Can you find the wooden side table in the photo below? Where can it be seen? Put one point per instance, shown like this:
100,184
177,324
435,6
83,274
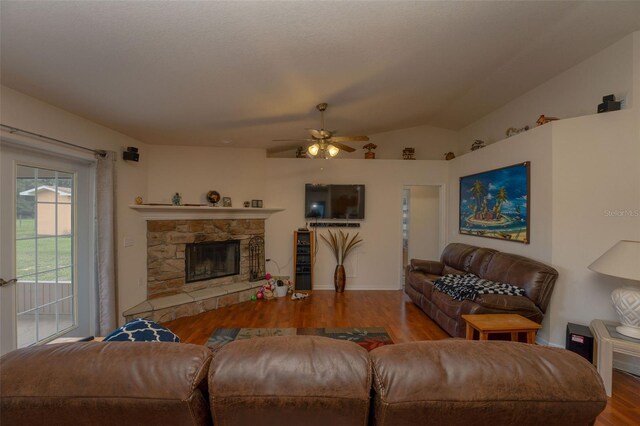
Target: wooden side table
608,341
501,323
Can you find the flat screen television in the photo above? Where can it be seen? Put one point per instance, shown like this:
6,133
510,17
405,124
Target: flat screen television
334,201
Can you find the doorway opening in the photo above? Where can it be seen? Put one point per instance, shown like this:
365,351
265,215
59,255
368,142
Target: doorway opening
421,223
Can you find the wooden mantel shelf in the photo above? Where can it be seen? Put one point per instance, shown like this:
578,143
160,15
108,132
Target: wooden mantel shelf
202,212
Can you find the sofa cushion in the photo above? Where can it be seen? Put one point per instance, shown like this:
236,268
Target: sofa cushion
536,278
457,382
290,380
458,256
142,330
450,270
98,383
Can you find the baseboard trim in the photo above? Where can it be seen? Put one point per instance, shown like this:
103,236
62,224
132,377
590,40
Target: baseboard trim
367,288
619,364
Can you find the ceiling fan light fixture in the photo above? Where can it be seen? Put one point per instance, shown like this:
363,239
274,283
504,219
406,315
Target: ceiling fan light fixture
333,151
313,149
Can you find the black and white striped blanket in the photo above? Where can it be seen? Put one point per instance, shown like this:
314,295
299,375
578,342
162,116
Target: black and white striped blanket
469,286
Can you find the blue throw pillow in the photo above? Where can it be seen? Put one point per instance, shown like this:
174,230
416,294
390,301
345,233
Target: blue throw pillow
141,330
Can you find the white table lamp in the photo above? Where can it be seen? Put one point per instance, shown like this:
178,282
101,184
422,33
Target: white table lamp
623,261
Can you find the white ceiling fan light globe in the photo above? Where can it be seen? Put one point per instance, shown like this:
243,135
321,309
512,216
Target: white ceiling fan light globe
333,151
313,149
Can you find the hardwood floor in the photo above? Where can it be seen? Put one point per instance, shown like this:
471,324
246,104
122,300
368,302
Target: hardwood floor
390,309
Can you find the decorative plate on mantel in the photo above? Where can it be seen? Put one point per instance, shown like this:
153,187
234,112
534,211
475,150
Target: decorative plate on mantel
213,197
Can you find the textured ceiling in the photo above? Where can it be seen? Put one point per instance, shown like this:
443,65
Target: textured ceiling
201,73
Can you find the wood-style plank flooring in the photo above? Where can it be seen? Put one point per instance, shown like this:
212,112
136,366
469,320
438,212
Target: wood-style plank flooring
404,321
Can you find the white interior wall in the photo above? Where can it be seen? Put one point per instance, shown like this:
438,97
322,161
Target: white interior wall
30,114
377,264
596,203
575,92
424,222
193,171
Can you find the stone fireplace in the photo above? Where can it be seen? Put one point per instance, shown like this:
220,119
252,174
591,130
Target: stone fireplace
230,272
188,255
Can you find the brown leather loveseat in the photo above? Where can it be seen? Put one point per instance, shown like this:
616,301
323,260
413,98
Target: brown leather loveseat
298,380
535,277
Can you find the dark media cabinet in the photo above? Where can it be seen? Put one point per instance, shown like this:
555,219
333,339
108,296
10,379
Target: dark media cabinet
303,250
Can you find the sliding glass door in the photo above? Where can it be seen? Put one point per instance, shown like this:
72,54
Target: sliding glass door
46,224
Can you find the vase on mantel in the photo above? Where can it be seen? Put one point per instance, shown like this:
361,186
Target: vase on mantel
339,278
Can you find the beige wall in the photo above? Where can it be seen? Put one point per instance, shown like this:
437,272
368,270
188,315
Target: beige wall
28,113
575,92
377,264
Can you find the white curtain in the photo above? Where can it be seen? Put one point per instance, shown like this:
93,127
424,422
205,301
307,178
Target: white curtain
106,317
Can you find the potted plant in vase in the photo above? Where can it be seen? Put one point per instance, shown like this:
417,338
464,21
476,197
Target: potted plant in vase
341,245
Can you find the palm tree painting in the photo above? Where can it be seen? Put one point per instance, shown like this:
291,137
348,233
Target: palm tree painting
495,203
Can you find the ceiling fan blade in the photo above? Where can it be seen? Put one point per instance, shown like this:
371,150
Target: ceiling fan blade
343,147
283,148
320,134
292,140
348,139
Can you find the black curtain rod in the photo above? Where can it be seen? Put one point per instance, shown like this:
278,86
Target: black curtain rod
12,129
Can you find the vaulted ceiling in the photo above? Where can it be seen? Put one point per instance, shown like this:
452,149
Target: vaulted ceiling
206,73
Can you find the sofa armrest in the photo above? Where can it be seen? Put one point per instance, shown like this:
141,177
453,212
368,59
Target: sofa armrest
427,266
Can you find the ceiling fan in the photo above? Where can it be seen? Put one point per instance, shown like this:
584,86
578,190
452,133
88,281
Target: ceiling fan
322,143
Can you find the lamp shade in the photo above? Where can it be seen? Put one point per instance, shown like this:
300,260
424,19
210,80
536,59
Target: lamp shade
313,149
622,260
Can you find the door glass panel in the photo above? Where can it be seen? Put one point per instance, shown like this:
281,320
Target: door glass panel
25,257
44,254
27,326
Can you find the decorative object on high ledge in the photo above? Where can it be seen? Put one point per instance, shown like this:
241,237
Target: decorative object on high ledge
409,153
256,204
513,131
369,155
138,200
176,200
247,203
544,120
213,197
623,261
341,245
477,144
226,202
449,156
609,103
323,143
495,204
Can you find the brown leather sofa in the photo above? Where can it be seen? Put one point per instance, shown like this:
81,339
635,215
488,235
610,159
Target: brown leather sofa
298,380
536,278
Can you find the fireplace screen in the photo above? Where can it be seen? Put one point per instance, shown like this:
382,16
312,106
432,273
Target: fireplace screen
215,259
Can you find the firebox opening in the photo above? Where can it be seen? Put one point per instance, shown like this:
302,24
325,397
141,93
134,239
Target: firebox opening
215,259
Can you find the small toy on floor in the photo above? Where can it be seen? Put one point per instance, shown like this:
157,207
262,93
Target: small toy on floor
299,296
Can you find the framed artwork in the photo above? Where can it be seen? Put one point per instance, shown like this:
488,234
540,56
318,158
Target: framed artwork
496,203
226,202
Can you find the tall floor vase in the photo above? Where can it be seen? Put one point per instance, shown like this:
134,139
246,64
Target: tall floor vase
339,278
